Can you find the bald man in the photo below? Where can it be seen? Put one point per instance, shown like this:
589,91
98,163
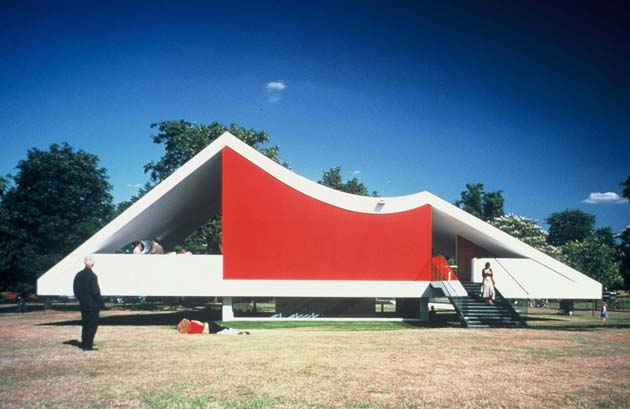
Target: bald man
87,291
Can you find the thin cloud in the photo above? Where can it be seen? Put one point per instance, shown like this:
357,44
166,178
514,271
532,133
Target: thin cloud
134,185
356,172
607,197
276,86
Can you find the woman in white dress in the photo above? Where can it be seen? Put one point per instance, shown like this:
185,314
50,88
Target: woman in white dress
487,286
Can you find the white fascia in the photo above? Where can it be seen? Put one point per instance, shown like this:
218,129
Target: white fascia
459,221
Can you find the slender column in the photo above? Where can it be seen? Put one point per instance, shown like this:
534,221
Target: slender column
227,313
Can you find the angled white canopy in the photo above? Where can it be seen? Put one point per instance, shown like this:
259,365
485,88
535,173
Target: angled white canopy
192,194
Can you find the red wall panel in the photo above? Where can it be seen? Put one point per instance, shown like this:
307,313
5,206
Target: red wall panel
272,231
466,251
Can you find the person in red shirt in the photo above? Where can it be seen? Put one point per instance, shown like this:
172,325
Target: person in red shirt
187,326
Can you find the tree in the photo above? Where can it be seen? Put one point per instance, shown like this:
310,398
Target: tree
605,235
626,188
332,178
182,140
569,225
493,205
59,198
623,250
595,258
527,231
4,185
485,206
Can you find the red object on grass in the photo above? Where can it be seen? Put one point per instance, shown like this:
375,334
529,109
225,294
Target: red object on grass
196,327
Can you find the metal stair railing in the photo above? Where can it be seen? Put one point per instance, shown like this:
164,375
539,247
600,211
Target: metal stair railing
473,313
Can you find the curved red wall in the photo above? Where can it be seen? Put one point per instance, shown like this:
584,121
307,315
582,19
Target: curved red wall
272,231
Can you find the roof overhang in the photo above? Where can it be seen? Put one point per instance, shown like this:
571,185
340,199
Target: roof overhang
192,194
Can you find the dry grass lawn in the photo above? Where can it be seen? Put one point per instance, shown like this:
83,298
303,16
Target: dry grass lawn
552,366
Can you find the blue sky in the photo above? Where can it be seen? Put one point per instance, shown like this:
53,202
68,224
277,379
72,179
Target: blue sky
532,98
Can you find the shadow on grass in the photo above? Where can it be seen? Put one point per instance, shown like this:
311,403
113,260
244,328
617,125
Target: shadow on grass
155,319
576,323
578,327
171,319
74,343
32,307
534,319
12,308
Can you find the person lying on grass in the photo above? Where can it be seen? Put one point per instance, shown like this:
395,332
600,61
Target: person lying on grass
187,326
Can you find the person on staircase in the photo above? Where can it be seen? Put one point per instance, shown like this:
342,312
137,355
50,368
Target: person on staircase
487,286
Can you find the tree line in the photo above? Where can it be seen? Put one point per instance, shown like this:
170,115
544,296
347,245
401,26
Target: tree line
60,197
571,238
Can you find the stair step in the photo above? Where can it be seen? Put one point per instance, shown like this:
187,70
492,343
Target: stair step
475,313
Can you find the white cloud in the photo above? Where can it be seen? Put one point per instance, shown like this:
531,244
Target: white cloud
607,197
356,172
134,185
276,86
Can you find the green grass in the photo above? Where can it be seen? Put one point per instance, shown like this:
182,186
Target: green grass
581,321
578,321
326,325
183,397
170,400
558,362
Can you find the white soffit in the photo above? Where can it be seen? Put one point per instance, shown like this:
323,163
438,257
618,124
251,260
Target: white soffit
192,194
527,278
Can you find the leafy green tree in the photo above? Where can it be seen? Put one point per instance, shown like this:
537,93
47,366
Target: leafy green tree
493,205
182,140
332,178
59,198
605,235
623,250
527,231
626,188
4,185
595,258
484,205
472,199
569,225
623,247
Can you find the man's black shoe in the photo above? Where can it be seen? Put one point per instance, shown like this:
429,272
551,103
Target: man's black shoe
90,349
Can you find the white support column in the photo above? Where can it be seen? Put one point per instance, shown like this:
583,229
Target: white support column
424,309
227,313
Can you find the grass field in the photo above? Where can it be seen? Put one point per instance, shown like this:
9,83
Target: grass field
559,362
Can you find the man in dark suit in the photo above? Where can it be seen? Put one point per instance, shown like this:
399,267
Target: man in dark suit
87,291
